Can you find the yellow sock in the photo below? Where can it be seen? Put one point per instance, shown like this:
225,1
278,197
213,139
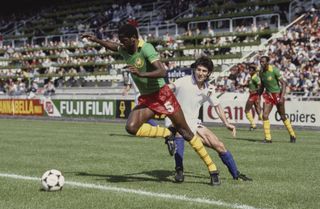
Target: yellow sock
260,116
266,127
289,127
250,119
152,131
197,145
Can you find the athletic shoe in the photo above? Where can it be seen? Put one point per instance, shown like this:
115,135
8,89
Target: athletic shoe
169,141
267,141
170,144
253,128
214,178
179,176
293,139
243,177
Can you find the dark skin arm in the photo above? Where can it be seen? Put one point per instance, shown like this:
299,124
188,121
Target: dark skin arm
261,88
160,71
113,46
283,84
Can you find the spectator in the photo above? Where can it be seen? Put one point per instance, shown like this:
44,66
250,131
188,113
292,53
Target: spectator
32,90
49,89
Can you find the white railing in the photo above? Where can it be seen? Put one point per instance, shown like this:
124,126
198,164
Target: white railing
211,22
261,47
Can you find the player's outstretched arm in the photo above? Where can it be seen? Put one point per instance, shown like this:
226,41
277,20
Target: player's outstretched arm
113,46
223,117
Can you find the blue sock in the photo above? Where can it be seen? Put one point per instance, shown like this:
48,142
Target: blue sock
228,160
152,122
178,156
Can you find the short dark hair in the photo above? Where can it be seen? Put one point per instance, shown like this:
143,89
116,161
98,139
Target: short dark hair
128,31
204,61
252,67
266,57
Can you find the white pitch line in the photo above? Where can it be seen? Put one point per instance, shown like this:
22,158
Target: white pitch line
138,192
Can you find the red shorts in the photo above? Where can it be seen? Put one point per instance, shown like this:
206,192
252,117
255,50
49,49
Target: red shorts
162,102
254,97
271,98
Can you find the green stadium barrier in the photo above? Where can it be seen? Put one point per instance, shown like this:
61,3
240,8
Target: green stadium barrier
71,108
80,108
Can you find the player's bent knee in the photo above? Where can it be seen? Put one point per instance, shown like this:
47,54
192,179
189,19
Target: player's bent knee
283,117
131,129
265,116
220,147
186,134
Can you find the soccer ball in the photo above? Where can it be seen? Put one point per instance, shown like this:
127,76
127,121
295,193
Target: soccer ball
52,180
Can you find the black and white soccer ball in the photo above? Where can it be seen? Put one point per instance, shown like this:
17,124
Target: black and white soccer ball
52,180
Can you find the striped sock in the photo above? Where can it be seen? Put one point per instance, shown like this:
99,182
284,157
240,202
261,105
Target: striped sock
152,131
197,145
266,127
250,119
289,127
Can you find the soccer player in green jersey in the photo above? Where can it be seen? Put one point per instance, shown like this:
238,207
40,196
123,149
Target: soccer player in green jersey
275,89
254,98
156,97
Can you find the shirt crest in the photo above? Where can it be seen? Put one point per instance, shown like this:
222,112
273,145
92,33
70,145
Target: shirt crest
139,62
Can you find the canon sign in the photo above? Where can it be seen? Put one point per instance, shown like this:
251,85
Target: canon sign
300,113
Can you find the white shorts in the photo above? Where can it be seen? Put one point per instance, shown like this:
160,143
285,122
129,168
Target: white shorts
193,124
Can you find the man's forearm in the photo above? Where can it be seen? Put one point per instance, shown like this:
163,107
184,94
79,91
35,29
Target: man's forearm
154,74
221,114
283,86
113,46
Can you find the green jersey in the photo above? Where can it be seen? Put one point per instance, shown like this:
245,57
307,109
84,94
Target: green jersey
142,59
270,79
254,83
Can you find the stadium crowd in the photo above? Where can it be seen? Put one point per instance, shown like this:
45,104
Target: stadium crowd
101,17
296,54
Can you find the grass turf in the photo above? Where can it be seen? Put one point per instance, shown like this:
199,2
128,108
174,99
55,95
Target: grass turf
285,175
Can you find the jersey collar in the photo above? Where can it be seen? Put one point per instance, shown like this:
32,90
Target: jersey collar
140,43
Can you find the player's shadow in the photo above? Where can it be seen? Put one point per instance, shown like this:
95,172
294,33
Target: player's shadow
147,176
155,175
245,139
258,140
118,134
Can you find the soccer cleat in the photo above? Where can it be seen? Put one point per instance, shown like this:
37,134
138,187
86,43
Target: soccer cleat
293,139
169,141
179,176
242,177
253,128
171,145
267,141
214,178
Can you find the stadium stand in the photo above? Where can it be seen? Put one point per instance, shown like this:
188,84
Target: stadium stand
295,52
45,46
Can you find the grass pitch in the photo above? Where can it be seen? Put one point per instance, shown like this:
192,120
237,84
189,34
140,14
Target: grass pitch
106,168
